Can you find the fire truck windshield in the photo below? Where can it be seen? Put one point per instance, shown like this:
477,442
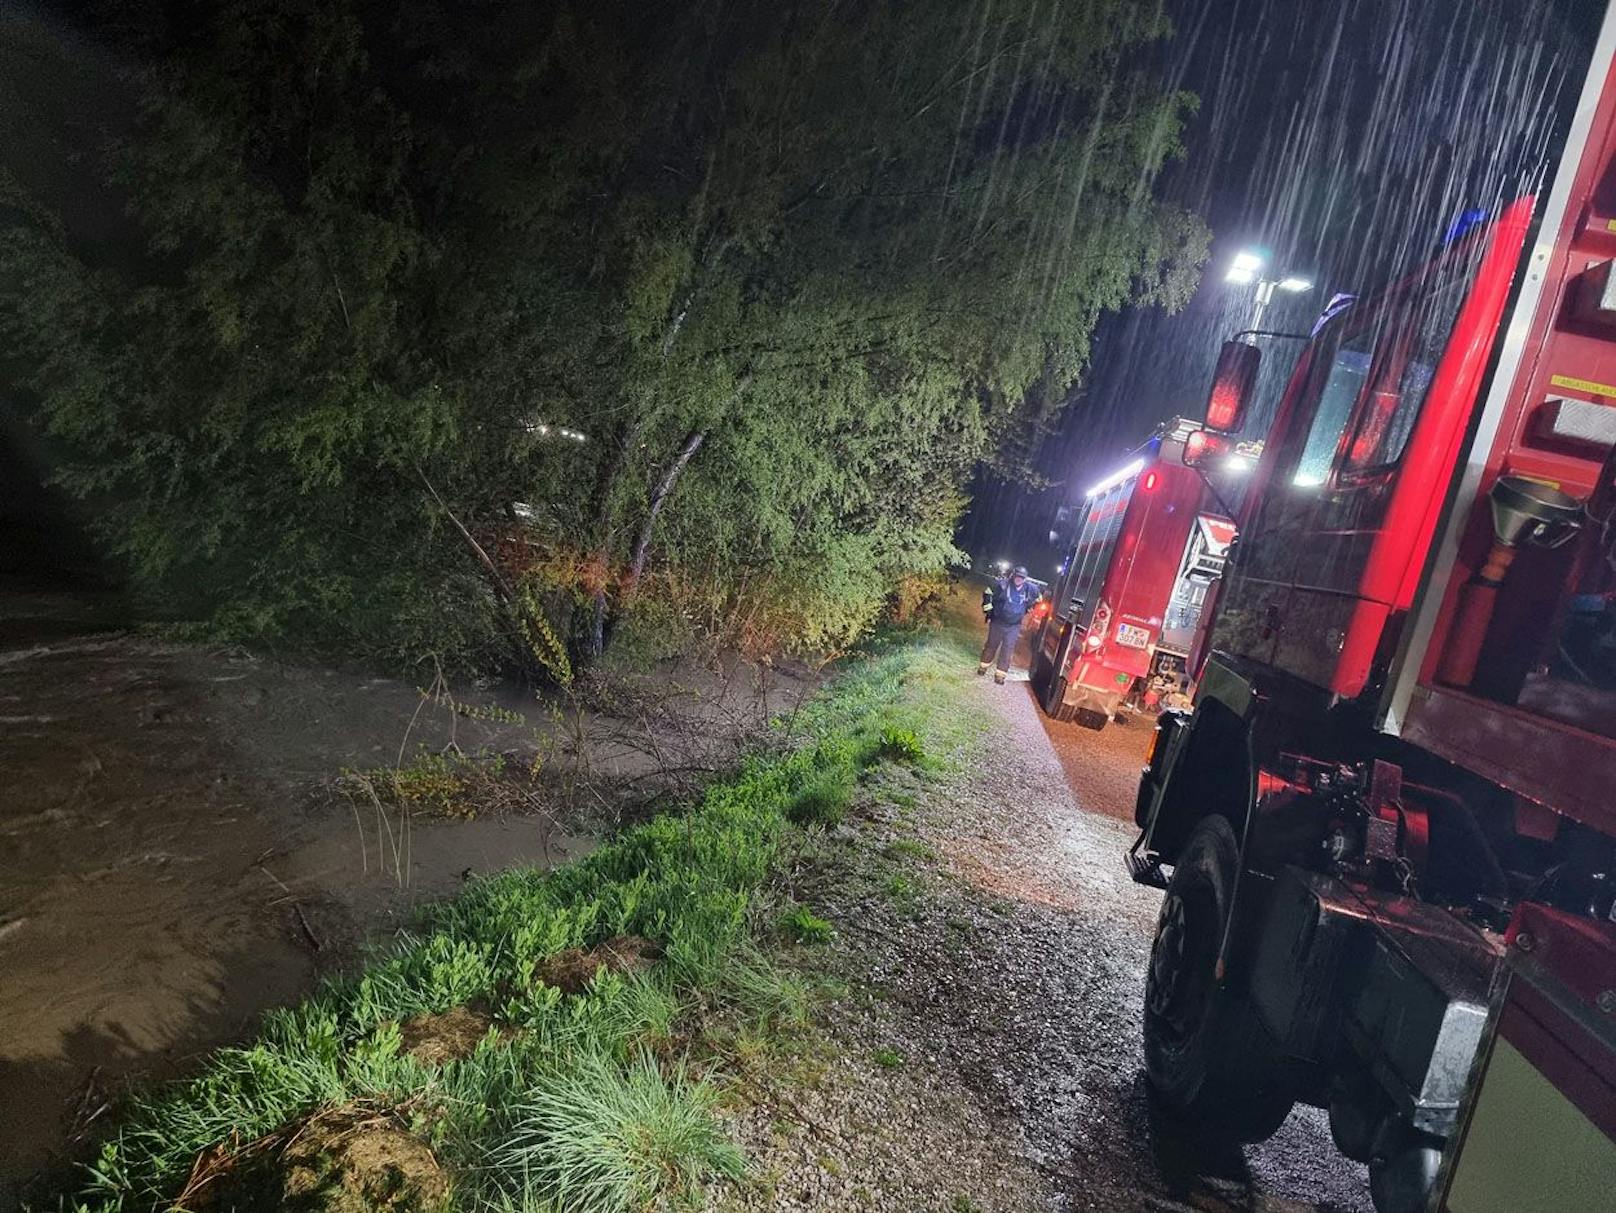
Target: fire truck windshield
1349,368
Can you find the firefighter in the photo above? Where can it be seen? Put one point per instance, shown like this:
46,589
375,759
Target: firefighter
1005,606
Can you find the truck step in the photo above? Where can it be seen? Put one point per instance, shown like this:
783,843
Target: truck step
1146,869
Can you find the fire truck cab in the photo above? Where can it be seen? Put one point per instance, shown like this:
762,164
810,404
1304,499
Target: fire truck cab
1390,821
1126,609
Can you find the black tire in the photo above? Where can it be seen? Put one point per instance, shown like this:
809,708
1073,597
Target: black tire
1054,699
1211,1065
1038,671
1403,1168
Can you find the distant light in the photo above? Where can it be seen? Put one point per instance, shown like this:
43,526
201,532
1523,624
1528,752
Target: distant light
1240,277
544,430
1303,480
1117,477
1238,464
521,509
1295,285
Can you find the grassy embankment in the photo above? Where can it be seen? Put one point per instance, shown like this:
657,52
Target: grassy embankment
457,1071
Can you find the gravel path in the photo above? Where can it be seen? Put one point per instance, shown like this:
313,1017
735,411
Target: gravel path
994,943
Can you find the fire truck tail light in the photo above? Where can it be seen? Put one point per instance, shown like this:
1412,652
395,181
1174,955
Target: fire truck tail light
1151,479
1094,640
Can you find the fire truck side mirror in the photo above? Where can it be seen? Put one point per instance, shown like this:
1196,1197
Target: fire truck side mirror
1202,446
1232,385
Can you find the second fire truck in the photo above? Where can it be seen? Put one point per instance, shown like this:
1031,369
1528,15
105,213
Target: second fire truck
1149,540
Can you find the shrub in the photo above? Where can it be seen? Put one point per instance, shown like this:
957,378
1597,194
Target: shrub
654,631
918,597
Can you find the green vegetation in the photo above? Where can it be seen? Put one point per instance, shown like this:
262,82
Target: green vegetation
824,801
478,328
902,745
887,1059
910,848
604,1136
804,926
545,1040
449,783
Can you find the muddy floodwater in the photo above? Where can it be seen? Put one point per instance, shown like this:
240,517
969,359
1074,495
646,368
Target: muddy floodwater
175,857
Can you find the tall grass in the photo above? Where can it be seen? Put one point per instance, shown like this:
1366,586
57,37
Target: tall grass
594,1134
564,1106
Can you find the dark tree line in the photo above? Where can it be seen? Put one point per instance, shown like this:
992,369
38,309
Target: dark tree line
479,327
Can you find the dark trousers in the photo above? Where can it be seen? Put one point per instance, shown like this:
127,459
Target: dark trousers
1001,641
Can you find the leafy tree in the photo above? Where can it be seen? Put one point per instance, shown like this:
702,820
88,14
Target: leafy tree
790,270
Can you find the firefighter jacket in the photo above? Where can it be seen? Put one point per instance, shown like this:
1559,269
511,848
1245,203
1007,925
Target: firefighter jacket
1009,604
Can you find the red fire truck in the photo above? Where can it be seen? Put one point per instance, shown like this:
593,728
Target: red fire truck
1390,821
1125,610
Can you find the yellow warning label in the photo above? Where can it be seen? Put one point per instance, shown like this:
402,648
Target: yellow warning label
1610,225
1584,385
1553,484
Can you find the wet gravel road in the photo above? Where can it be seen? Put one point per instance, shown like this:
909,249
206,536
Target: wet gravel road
1010,979
1063,1050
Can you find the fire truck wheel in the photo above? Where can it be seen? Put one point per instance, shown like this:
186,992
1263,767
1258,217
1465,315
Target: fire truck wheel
1038,671
1211,1067
1054,700
1403,1169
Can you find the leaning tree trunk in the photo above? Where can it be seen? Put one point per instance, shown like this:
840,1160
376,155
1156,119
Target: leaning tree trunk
642,544
659,496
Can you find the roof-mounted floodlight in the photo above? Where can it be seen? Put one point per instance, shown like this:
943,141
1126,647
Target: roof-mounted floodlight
1245,267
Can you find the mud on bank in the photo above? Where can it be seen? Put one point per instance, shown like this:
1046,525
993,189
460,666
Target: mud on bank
176,853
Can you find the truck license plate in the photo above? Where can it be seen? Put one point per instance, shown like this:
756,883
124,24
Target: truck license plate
1133,637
